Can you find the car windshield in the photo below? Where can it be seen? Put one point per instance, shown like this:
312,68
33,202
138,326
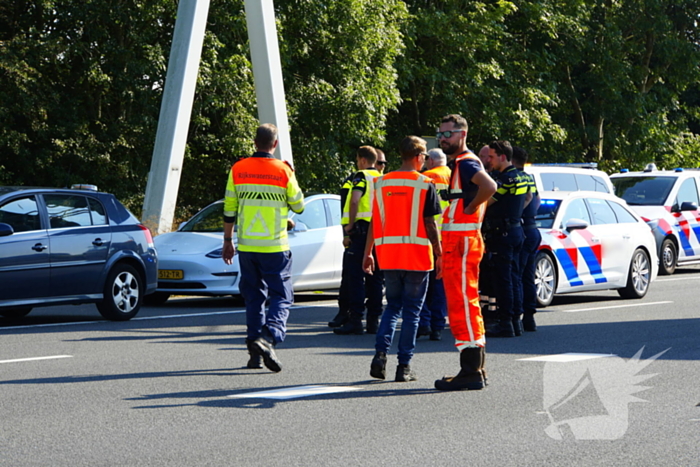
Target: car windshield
547,212
209,219
646,191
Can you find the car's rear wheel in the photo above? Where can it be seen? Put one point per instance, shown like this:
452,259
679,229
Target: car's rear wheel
638,277
669,257
545,279
156,299
123,294
18,312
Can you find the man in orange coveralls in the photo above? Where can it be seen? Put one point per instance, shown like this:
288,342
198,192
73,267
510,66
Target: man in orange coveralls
470,189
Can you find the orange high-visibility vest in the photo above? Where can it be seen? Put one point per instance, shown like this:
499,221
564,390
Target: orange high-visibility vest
441,178
454,220
397,222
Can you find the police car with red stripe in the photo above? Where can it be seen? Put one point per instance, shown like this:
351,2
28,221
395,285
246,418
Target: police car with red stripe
592,241
669,201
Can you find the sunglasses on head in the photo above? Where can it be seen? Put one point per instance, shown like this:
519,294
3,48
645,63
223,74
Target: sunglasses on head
447,134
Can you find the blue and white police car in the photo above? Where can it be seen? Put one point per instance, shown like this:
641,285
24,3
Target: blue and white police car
592,241
668,201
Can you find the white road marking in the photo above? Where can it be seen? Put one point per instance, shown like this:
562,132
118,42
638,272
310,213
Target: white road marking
566,357
33,359
146,318
293,393
616,306
672,279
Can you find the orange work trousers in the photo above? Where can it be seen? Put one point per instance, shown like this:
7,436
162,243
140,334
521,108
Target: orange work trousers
461,255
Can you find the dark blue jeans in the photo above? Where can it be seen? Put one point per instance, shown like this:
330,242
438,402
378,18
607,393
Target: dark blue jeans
355,285
266,275
405,293
435,306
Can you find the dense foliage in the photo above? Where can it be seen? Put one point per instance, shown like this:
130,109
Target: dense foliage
611,81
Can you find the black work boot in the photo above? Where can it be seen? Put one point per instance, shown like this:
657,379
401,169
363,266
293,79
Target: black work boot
529,324
372,324
471,376
340,319
504,328
517,326
266,349
256,361
436,335
353,326
423,331
378,367
404,373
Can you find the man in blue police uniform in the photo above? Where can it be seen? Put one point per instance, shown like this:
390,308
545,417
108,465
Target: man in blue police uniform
356,200
528,252
504,236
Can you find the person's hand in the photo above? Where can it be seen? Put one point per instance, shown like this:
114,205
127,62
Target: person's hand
228,252
469,209
290,223
438,267
368,264
346,242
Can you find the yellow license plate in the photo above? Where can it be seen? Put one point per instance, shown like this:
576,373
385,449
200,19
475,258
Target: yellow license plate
171,274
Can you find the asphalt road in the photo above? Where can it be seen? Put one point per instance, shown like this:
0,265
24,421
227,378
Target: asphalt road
169,388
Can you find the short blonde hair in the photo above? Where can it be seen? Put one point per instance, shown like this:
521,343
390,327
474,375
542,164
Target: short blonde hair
411,146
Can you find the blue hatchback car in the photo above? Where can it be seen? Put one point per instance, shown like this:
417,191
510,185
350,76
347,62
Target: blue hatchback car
65,246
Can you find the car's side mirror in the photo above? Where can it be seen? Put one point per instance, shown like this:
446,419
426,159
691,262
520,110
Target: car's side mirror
5,230
300,227
688,206
576,224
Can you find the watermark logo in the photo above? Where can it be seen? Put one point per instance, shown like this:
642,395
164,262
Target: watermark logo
588,399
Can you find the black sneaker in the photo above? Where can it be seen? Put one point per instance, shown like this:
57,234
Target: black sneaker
436,335
267,351
404,373
517,327
378,367
423,331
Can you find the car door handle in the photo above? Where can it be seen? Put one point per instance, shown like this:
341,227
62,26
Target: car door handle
98,242
39,247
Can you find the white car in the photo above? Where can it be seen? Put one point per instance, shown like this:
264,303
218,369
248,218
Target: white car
592,241
189,259
569,177
668,200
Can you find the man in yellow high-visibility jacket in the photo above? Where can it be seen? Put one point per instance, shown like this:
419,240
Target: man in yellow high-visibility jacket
259,192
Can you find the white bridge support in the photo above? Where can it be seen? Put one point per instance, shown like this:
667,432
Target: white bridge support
178,96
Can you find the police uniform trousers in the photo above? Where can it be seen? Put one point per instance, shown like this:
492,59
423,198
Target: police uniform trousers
528,253
504,245
461,255
266,275
355,284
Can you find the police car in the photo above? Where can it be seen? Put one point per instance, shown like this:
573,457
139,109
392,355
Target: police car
570,177
592,241
668,201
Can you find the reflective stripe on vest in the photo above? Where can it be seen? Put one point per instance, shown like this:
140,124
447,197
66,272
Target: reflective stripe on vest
454,218
364,208
402,242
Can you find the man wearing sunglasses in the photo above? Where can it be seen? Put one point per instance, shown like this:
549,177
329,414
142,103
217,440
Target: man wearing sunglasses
470,188
381,161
